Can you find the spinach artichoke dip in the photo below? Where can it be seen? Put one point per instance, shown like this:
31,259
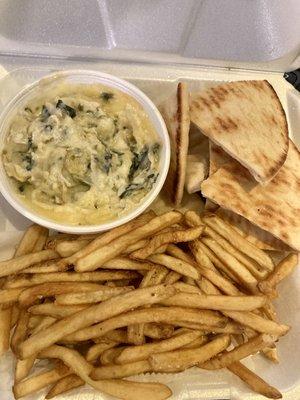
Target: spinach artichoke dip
82,154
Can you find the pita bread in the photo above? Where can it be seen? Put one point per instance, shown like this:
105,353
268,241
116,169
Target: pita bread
217,157
260,238
247,120
252,233
176,113
197,160
274,207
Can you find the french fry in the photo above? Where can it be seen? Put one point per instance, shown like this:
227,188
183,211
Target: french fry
172,277
238,241
192,218
156,314
96,296
65,384
5,324
135,246
92,315
186,358
114,387
15,312
23,367
216,302
153,277
97,349
116,247
230,327
28,296
44,268
55,310
143,352
158,331
15,265
176,252
128,264
221,282
42,240
20,331
44,323
185,288
39,381
218,264
258,271
9,296
29,240
121,371
256,383
53,240
258,323
108,237
236,267
281,271
117,335
253,345
108,356
67,248
38,279
176,265
166,238
200,341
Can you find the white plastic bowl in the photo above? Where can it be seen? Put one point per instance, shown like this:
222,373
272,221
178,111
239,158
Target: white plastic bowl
86,77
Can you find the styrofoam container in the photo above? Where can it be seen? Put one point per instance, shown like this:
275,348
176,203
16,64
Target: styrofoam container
83,77
194,384
155,44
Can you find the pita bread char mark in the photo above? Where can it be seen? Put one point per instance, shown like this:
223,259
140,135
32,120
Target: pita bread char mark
247,120
274,207
176,113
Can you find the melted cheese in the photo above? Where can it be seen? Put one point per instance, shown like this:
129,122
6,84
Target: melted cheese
82,154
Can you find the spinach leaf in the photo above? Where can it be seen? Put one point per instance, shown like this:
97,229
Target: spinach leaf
155,148
140,161
67,109
107,161
45,113
130,189
106,96
28,161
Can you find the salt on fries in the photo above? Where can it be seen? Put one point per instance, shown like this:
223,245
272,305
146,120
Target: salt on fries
132,301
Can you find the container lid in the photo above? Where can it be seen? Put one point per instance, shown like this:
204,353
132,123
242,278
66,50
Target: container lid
257,34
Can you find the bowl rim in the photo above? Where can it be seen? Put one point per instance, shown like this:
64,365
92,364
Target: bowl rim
148,106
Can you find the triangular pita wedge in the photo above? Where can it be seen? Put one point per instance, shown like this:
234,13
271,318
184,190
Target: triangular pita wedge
176,113
257,236
197,160
247,120
252,233
217,157
274,207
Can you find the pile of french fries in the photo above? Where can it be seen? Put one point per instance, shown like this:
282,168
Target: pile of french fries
158,294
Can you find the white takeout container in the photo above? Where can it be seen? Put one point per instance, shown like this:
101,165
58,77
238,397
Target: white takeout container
83,77
154,45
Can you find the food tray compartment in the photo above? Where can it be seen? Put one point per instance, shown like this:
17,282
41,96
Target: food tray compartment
158,82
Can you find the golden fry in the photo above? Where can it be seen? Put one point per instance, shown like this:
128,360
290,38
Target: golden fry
16,265
155,314
105,253
186,358
281,271
92,315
